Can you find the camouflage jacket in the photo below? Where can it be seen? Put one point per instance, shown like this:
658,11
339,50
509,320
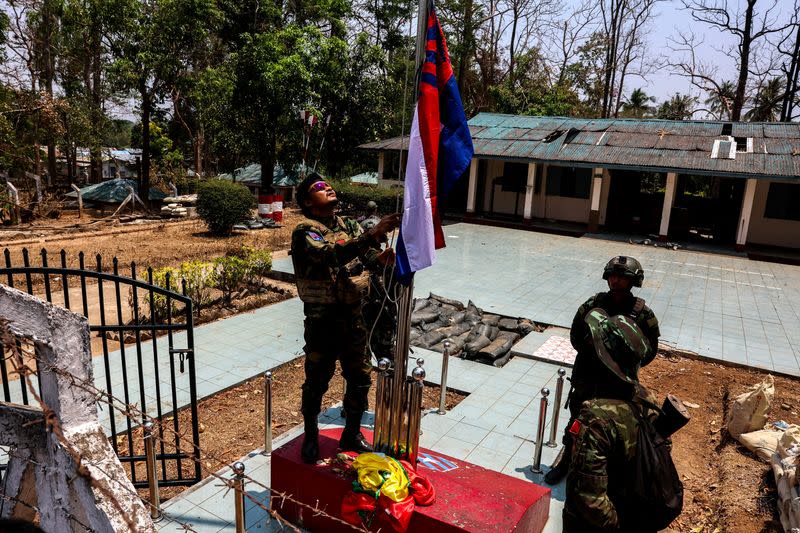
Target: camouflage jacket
587,365
330,258
606,434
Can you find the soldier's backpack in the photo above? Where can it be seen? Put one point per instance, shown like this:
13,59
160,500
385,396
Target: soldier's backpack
655,496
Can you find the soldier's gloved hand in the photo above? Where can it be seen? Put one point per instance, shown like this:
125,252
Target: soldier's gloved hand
386,257
386,224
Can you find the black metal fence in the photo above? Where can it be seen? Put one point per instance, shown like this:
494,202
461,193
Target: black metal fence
130,330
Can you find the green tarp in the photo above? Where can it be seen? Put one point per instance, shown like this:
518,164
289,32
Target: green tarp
113,191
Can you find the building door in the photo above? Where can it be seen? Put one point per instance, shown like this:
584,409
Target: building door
635,200
729,206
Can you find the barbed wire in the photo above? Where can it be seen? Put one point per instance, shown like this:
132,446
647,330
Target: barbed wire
132,412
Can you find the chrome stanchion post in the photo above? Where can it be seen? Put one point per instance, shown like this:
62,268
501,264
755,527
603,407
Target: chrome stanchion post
267,413
151,465
238,488
382,389
536,468
415,412
443,391
556,407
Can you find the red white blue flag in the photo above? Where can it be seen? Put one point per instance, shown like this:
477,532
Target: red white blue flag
439,152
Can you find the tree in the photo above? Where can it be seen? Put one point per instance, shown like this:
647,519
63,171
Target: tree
720,99
637,104
679,107
750,27
790,67
767,102
153,50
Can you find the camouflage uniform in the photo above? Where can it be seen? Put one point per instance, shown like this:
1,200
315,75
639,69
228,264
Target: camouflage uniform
606,434
380,314
329,258
590,377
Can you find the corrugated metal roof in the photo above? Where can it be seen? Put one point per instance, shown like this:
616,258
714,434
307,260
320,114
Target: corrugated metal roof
113,191
645,144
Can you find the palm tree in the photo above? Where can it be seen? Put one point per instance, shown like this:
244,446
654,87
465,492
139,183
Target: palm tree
637,104
767,103
720,100
679,107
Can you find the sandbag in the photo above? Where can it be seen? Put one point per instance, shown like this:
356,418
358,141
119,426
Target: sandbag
430,338
525,326
487,330
447,301
498,348
436,324
748,412
419,304
455,329
763,442
491,320
472,318
508,324
457,318
476,345
426,316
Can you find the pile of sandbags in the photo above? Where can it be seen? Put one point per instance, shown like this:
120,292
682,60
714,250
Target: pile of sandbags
179,206
777,443
473,334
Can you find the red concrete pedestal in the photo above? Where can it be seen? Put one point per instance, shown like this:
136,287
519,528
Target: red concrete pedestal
468,497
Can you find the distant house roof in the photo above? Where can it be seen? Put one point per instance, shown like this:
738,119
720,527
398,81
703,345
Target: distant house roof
113,191
251,175
702,147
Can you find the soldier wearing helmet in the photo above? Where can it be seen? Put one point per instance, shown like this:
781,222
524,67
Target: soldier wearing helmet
590,377
606,430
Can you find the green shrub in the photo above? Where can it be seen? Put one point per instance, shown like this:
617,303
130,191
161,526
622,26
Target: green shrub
200,278
221,204
353,198
157,303
231,273
259,262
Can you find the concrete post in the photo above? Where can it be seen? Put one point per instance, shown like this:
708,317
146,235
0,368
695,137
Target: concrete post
594,208
41,470
381,164
473,185
529,189
746,213
666,211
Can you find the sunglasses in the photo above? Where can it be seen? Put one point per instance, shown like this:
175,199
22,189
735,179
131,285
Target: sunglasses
318,186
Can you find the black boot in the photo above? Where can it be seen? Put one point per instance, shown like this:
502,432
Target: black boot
352,439
309,452
560,466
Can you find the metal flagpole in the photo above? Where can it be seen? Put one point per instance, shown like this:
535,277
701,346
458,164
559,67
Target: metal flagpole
393,434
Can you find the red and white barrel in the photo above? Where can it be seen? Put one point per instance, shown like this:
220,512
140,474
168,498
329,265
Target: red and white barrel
277,207
265,205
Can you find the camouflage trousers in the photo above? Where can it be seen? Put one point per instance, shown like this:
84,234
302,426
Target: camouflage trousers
380,316
335,332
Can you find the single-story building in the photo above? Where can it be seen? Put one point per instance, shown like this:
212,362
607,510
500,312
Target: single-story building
724,182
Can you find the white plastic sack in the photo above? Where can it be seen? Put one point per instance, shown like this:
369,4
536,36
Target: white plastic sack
748,412
763,443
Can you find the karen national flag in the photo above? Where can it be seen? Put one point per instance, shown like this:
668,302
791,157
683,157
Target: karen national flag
439,151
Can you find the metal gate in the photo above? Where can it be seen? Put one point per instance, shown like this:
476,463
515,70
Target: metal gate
144,333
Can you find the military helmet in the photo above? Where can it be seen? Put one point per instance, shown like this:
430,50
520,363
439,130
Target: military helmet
619,343
372,205
625,266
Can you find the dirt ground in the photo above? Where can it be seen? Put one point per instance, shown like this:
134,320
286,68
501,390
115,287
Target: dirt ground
148,243
727,488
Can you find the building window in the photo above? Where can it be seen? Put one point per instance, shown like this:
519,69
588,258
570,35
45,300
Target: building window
569,182
514,178
783,201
